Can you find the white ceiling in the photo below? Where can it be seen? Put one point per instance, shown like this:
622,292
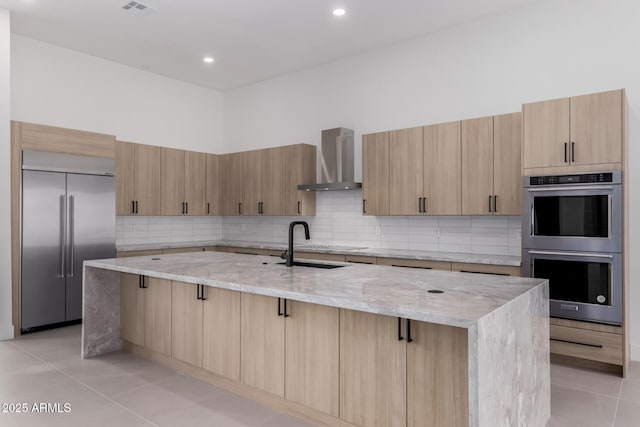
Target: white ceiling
251,40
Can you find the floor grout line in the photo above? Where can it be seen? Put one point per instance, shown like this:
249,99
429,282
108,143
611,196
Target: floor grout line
87,386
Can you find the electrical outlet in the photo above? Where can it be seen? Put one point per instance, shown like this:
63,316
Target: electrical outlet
243,228
377,231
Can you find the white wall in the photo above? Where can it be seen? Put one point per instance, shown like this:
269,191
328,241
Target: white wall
61,87
6,327
549,49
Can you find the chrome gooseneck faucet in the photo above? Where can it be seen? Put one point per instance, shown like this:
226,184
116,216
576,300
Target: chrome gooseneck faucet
288,255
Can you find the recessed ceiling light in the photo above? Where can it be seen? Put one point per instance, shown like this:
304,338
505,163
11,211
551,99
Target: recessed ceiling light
208,59
339,12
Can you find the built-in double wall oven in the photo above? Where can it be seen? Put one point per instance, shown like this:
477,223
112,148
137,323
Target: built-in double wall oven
572,235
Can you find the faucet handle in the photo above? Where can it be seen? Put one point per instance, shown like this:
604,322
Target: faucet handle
283,255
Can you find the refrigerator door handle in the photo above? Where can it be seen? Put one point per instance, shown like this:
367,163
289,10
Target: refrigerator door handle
70,240
61,247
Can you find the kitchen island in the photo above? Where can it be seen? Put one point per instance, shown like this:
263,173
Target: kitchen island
357,345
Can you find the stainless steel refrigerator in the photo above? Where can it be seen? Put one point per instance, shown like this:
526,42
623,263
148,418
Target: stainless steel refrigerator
68,216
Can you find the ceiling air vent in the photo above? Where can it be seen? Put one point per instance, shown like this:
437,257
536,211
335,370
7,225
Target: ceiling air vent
137,8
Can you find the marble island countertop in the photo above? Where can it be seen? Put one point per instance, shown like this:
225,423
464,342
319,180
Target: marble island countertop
393,291
340,250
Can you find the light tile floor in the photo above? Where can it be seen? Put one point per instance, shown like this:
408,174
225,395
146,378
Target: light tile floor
123,390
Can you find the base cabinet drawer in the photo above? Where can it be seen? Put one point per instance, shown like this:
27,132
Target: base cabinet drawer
585,344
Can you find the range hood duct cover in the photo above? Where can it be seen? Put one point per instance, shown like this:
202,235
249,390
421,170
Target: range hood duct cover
336,162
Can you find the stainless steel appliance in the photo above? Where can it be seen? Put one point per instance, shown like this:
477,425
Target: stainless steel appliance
582,285
336,162
68,216
572,235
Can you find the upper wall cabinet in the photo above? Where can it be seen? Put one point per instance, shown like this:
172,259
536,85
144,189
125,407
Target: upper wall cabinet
299,168
491,150
406,168
262,186
375,174
137,179
231,184
584,131
212,185
442,180
183,182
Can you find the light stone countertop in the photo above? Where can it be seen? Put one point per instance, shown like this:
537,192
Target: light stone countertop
376,252
392,291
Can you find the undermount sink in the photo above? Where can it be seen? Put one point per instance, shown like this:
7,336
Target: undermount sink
313,265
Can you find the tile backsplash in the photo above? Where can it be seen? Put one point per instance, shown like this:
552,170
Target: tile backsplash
339,221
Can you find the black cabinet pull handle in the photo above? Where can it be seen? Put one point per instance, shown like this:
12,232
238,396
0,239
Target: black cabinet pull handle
364,206
400,337
565,152
240,208
299,207
420,204
495,203
197,291
141,284
409,339
573,151
208,210
202,293
489,203
285,308
133,207
424,204
577,343
279,311
186,208
137,211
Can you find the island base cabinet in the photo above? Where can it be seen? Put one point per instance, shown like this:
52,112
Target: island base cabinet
373,370
262,348
131,309
186,323
221,333
437,376
312,356
157,314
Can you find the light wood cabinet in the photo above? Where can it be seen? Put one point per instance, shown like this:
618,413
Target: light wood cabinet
373,370
262,336
251,182
183,182
437,376
126,254
173,174
231,184
501,270
186,323
491,172
212,185
131,309
442,163
585,340
406,168
312,356
195,165
299,167
137,179
145,312
157,314
375,174
582,131
263,181
221,332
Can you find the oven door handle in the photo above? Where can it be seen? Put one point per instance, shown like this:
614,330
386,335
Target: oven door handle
579,188
578,254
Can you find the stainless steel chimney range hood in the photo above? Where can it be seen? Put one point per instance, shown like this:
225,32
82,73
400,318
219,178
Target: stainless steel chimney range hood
336,162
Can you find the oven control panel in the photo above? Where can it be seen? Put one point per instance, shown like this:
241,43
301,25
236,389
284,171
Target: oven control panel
585,178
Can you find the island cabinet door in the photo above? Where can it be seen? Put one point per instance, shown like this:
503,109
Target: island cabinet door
312,370
131,309
221,332
186,323
373,370
262,348
437,376
157,314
